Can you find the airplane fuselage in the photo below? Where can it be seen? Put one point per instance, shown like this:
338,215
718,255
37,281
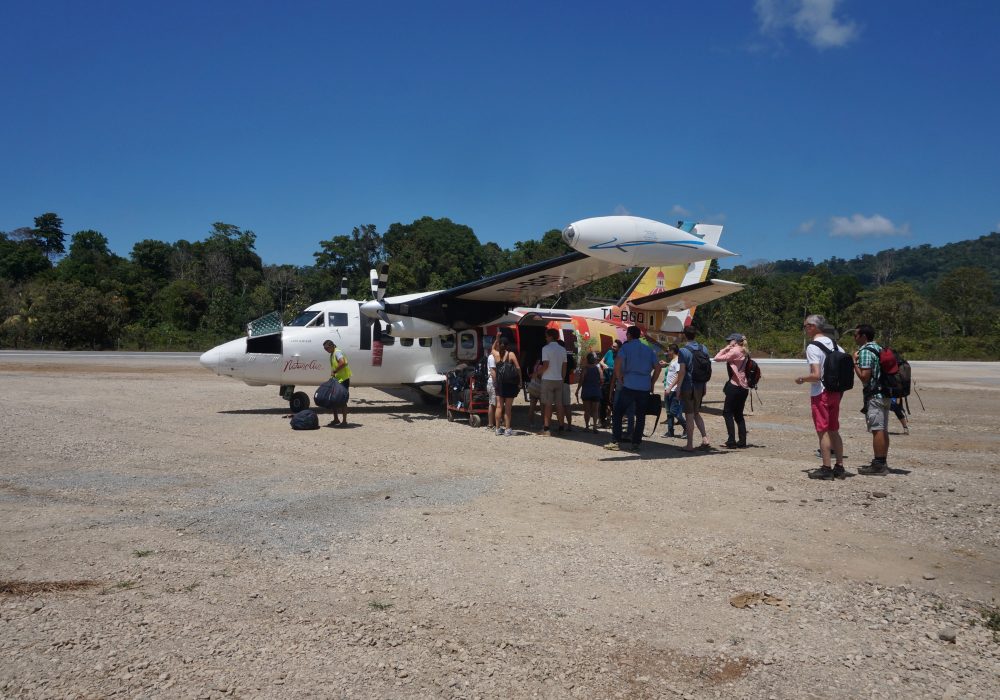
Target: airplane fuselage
302,361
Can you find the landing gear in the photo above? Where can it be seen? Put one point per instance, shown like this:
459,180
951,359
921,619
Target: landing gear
297,400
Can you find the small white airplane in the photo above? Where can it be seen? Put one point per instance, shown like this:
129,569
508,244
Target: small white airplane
426,334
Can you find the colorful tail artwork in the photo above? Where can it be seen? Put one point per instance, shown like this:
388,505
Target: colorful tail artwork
598,334
657,279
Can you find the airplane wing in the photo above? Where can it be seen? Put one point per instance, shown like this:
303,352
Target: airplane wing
477,303
687,296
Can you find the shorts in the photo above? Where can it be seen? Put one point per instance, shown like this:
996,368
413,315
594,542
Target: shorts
826,411
691,400
565,395
876,414
509,391
491,392
552,391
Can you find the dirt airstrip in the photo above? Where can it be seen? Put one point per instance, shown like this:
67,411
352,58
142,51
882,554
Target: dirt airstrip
164,533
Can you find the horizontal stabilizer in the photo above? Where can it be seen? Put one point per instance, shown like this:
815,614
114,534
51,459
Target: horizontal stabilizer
687,296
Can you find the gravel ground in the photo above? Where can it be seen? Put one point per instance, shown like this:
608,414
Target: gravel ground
166,534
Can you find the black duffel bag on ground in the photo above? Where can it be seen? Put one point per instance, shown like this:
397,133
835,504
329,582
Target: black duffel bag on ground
305,420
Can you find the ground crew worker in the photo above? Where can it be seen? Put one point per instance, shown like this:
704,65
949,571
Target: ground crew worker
340,371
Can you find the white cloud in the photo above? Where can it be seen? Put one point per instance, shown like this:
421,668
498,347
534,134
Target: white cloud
621,210
806,226
859,226
677,211
811,20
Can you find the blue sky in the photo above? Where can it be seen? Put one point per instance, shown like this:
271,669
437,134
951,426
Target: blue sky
809,128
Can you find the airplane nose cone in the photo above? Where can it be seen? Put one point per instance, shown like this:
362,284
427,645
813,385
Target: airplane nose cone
210,359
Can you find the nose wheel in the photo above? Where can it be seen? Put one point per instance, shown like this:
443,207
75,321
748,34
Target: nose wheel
297,400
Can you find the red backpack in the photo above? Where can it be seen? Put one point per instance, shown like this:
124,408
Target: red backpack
892,383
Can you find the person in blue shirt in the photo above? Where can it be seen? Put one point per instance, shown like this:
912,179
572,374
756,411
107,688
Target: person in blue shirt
636,370
692,392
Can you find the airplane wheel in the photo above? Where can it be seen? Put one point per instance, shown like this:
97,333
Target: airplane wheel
474,420
299,401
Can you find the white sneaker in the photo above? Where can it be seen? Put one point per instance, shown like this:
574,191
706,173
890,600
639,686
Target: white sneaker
509,432
499,431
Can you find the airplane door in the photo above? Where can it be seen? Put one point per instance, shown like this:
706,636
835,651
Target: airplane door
468,345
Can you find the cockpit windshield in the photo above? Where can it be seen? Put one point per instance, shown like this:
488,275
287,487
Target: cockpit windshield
306,318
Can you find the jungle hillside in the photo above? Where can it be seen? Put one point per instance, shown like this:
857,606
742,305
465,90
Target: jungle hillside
927,302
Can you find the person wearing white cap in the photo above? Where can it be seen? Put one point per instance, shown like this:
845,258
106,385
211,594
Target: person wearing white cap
736,388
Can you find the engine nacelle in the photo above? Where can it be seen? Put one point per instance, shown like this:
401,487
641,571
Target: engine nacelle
410,327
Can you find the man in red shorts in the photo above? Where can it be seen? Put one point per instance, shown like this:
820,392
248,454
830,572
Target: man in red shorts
825,404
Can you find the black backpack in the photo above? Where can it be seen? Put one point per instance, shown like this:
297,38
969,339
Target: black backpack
838,368
752,371
507,372
456,381
905,377
894,378
305,420
701,365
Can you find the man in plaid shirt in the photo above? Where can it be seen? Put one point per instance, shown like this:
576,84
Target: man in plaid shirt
869,371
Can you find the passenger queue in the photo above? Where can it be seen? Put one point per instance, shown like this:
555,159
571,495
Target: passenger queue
619,390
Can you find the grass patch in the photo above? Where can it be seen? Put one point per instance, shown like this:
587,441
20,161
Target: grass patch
125,585
379,605
991,618
18,588
143,552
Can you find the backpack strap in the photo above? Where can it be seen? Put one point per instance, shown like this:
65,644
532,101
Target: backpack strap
826,350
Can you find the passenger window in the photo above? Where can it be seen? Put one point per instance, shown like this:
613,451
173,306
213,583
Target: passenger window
335,318
426,342
447,341
468,341
406,342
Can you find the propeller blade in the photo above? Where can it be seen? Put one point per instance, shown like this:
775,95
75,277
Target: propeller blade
383,278
343,287
373,276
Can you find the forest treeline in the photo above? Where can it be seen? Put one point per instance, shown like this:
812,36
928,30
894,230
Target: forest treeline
930,302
